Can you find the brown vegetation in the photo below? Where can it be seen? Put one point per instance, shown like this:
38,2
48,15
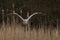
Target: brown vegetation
18,33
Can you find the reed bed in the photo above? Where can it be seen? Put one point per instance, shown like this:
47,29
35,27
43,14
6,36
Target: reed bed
17,33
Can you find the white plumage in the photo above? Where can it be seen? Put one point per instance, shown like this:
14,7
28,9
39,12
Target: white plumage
25,21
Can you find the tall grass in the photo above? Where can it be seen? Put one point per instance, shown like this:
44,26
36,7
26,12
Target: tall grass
17,33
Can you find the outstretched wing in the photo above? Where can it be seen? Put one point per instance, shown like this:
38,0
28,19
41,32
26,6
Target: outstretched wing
31,15
17,15
34,14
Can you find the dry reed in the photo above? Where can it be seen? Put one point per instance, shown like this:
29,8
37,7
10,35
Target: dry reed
18,33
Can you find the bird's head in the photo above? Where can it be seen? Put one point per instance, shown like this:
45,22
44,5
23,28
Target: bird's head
25,21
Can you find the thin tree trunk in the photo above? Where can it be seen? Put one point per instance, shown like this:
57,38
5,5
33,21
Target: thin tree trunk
3,24
13,15
7,18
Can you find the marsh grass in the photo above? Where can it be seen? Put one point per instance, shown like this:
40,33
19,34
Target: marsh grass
17,33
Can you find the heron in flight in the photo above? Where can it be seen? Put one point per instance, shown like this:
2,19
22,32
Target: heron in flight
25,21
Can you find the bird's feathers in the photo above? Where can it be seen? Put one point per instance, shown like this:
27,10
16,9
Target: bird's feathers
15,14
31,15
18,16
26,20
